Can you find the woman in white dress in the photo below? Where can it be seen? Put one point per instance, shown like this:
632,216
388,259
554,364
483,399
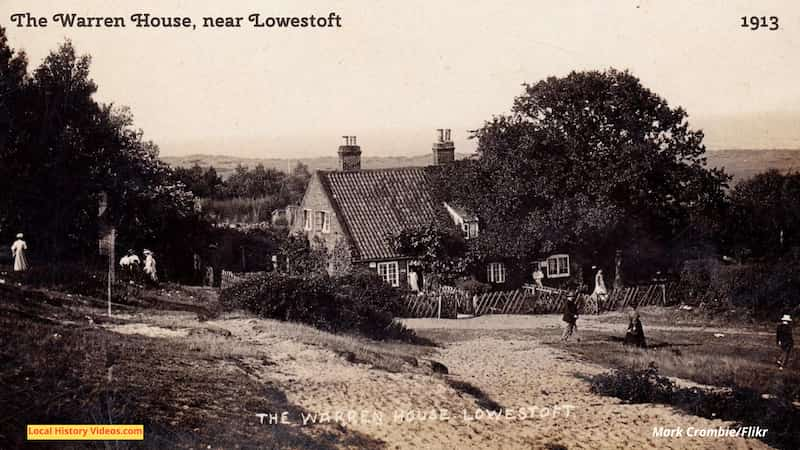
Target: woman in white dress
150,266
18,249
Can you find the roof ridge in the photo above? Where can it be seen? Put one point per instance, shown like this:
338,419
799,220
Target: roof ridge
380,169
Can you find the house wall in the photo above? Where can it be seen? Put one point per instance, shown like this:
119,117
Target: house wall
402,268
335,241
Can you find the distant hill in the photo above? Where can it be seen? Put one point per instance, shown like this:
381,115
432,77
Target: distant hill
741,164
225,165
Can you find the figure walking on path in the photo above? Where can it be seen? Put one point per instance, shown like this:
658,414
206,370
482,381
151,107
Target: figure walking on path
784,339
18,250
570,319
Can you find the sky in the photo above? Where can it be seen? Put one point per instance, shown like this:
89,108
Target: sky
397,70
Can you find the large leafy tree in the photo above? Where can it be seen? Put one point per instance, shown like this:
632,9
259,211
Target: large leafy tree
764,215
61,148
587,162
13,113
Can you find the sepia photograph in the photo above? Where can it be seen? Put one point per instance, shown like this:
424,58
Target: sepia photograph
443,224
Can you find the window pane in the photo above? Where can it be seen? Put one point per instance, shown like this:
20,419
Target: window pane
563,265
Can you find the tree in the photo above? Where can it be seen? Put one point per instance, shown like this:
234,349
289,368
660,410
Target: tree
202,183
440,249
764,215
13,105
593,159
62,148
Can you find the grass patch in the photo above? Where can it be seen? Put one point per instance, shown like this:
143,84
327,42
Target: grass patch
742,358
52,372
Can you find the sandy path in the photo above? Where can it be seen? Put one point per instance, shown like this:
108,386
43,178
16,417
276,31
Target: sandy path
549,403
553,321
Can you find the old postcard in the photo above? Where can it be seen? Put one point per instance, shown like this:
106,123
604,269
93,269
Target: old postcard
404,225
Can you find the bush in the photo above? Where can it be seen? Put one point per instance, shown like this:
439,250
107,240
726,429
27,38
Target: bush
635,386
765,287
741,405
72,278
358,303
472,286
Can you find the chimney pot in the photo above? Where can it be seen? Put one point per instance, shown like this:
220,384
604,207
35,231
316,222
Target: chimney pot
443,150
349,155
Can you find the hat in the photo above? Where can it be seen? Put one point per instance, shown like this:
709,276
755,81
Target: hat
130,251
147,252
19,235
786,318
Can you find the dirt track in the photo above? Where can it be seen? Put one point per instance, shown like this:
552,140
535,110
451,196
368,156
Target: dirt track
493,361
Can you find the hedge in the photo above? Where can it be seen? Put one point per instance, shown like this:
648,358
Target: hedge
359,303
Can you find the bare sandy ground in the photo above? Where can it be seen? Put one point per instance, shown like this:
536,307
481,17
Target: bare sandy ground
542,389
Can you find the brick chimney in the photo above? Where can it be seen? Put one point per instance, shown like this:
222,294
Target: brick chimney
444,151
349,155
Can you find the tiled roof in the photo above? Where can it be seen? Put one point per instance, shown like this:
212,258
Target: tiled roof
374,204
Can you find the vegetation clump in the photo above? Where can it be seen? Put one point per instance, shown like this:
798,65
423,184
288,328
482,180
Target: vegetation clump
360,303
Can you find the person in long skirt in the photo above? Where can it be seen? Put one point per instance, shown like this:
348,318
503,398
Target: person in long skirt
150,267
18,250
635,333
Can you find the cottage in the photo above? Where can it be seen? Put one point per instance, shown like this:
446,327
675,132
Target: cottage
351,211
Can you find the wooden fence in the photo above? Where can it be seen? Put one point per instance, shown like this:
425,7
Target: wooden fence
228,278
538,300
430,304
645,295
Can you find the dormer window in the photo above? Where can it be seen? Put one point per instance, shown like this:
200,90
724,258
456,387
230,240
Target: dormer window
470,229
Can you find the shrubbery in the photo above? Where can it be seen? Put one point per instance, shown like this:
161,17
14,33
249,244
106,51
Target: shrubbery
764,287
737,404
70,278
358,303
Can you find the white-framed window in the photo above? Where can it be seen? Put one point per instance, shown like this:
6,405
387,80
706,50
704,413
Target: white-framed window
470,229
389,272
307,224
558,266
496,272
322,221
326,223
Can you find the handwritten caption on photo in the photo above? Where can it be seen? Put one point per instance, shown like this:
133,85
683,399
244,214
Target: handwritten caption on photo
377,417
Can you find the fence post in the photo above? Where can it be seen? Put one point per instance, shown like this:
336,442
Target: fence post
439,312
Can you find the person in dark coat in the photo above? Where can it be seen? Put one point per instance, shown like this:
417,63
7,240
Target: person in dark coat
784,339
635,333
570,318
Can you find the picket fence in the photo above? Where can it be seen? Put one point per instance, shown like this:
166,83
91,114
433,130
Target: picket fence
447,302
228,278
529,300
